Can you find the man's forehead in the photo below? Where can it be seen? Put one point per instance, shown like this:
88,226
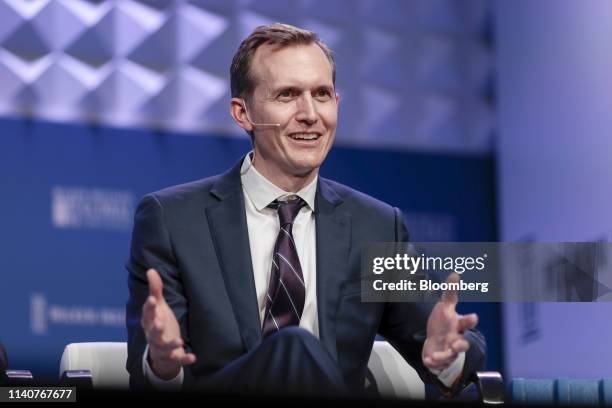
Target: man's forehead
268,70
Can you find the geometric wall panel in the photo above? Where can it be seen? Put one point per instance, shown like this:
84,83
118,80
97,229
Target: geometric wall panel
411,74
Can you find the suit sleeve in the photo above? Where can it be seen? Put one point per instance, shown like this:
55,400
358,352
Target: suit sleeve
404,326
151,248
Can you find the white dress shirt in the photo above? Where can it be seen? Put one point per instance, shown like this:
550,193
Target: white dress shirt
263,226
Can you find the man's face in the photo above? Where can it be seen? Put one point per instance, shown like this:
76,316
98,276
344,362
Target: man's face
294,88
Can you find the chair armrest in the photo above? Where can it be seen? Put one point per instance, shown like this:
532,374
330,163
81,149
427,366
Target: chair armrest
77,378
490,385
19,377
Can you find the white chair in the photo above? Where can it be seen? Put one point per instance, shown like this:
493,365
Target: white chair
105,363
394,377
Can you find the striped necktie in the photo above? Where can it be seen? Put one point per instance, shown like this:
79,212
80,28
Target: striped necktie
286,291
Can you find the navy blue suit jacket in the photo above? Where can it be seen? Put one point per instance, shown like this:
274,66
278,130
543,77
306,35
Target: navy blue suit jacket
195,235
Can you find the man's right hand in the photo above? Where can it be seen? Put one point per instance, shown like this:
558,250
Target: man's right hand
166,353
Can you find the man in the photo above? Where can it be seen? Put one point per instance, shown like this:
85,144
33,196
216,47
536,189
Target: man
249,281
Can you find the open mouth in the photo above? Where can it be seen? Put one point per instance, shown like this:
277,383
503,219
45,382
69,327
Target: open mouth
305,136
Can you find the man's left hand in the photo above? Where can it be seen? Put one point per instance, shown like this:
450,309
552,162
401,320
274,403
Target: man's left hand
445,328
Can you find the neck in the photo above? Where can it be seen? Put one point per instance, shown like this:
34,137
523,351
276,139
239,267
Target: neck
285,181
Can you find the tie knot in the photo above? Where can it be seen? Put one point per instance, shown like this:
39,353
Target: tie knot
288,210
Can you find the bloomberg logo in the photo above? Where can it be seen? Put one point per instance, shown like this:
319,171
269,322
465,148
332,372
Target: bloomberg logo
91,208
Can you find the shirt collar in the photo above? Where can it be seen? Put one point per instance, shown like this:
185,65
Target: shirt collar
262,192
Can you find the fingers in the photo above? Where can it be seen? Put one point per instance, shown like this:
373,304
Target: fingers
440,354
467,322
162,330
148,309
445,329
429,363
168,352
451,350
157,326
156,285
460,345
176,358
186,358
450,295
156,329
165,347
168,365
442,359
439,360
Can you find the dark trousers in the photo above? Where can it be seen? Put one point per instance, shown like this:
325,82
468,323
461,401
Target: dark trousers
288,363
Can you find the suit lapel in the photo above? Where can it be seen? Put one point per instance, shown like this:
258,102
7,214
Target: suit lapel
333,244
228,225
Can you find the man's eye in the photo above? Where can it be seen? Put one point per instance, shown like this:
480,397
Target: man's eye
323,94
286,94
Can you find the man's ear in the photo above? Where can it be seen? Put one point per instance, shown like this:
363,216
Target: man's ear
238,112
337,98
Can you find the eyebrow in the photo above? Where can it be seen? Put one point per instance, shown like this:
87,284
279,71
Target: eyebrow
280,88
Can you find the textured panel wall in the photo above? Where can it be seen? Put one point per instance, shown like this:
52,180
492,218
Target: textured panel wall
414,74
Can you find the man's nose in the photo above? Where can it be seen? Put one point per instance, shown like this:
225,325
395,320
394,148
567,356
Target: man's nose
306,109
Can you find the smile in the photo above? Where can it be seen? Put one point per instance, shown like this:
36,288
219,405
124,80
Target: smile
305,136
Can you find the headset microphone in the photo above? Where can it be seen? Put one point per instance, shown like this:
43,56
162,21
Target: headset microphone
271,125
274,125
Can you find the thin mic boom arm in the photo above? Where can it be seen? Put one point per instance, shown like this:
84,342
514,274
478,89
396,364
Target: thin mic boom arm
276,125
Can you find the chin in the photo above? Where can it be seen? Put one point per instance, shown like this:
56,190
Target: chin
304,169
309,159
